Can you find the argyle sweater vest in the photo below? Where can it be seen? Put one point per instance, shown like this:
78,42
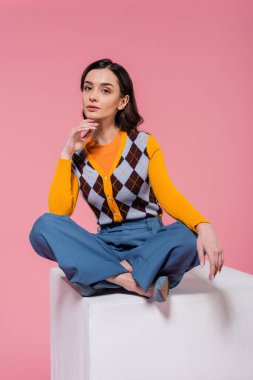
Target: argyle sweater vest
129,183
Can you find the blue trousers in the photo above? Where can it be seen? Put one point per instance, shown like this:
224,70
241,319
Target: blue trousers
152,248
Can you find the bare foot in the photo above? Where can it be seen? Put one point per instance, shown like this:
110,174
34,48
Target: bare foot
127,281
126,265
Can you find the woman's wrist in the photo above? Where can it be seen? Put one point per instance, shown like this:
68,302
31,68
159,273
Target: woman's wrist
202,226
66,155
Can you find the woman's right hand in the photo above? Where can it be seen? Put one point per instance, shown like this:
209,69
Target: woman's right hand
76,138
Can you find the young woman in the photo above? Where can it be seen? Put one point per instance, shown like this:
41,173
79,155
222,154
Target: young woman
120,171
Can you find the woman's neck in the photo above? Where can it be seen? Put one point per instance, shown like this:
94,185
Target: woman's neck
105,135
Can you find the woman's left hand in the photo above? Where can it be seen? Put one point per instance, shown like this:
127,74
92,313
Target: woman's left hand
208,242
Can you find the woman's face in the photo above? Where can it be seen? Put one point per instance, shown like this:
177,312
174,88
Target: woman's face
101,89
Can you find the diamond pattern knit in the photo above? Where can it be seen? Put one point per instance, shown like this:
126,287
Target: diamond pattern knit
129,182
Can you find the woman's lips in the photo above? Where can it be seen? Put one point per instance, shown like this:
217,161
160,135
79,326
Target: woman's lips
92,108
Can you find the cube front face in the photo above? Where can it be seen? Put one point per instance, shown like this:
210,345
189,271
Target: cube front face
69,331
121,336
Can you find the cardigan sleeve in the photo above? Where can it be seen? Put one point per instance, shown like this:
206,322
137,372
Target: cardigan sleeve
168,196
64,189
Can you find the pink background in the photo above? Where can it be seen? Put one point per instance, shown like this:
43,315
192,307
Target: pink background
191,65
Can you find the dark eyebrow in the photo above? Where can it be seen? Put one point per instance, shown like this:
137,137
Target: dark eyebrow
102,84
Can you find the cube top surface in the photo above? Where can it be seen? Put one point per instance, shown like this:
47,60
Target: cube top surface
194,283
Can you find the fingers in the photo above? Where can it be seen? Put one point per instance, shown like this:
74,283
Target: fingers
86,127
216,264
222,259
220,262
88,121
86,124
91,128
212,270
86,135
200,249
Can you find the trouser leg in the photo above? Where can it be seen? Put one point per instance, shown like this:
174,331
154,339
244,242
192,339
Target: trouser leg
170,250
83,256
184,256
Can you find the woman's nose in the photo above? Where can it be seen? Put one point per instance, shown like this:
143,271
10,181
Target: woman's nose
93,96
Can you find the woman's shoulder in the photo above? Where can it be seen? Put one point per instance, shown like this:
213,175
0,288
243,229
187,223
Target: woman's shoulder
140,132
152,144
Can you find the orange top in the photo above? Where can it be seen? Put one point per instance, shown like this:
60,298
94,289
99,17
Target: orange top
104,154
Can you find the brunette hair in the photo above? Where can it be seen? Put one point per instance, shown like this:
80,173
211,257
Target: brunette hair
128,118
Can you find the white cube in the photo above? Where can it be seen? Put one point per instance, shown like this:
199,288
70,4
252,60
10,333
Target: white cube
203,331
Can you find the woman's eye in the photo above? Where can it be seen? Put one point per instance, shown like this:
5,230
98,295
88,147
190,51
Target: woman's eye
105,89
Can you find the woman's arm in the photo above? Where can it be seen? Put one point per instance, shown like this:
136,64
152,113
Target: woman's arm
170,199
64,189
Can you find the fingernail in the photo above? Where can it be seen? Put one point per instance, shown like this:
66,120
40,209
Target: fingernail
201,265
212,277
